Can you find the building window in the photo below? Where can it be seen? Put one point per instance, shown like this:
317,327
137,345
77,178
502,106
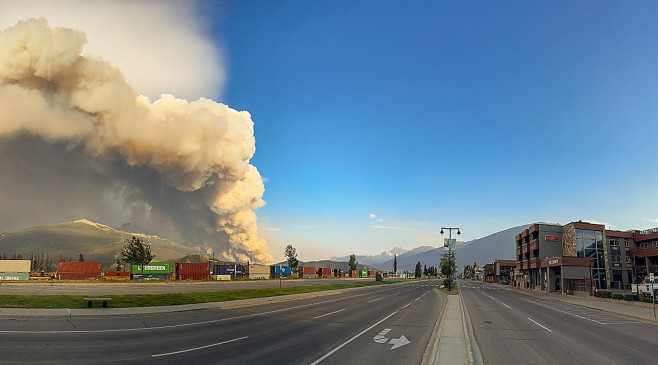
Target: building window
614,243
627,244
628,260
615,258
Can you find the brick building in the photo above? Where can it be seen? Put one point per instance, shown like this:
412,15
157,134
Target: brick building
581,256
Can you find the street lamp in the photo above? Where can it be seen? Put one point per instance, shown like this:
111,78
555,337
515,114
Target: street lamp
450,229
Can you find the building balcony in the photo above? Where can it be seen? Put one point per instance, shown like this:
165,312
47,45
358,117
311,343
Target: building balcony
645,251
535,263
518,251
525,248
534,245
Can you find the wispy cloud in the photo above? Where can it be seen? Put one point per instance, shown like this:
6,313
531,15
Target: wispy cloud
379,220
273,229
303,227
391,228
373,216
650,220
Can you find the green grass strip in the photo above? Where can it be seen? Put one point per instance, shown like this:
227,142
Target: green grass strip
149,300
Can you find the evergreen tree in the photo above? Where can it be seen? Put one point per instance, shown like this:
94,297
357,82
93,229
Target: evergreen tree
418,271
395,264
81,258
352,263
291,255
137,252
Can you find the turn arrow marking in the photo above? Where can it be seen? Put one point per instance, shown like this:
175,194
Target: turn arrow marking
399,342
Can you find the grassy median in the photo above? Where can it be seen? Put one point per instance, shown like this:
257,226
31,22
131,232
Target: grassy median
149,300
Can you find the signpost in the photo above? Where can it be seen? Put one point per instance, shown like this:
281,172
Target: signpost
653,294
450,242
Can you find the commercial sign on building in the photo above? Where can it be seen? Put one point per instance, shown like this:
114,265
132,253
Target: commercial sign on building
552,238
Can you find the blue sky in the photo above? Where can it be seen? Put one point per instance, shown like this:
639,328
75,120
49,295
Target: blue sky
483,115
378,122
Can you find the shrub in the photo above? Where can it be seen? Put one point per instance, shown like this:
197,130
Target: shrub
597,294
630,297
648,300
617,296
605,293
445,283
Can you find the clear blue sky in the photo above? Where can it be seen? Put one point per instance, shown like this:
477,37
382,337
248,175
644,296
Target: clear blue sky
479,114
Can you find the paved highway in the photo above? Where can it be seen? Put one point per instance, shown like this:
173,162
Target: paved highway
514,328
389,324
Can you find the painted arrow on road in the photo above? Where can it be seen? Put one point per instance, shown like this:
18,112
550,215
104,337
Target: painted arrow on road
399,342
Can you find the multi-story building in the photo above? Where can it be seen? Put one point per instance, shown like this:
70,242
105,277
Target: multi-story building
503,271
489,273
581,256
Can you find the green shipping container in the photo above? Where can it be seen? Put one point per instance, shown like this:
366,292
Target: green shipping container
14,276
152,268
363,273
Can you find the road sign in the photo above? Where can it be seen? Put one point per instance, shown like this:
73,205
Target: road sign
451,242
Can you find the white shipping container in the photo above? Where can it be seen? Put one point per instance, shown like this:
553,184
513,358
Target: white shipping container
222,277
259,276
15,265
259,269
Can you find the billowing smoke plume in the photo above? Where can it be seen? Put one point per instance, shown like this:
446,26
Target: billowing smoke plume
76,138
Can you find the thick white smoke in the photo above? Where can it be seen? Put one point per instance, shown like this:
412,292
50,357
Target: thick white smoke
70,125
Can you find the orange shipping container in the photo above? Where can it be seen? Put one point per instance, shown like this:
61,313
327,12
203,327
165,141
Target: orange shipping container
116,275
354,273
307,270
79,267
326,272
190,271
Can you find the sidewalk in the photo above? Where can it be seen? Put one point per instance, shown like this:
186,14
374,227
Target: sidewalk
630,309
453,342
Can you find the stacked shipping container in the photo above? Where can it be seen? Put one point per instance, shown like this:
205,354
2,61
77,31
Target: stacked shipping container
15,269
324,272
234,271
306,272
277,271
116,275
190,271
152,271
78,270
259,271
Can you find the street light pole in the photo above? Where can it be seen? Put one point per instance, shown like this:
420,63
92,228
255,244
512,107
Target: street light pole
450,229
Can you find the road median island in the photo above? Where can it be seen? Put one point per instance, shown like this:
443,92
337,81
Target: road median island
169,299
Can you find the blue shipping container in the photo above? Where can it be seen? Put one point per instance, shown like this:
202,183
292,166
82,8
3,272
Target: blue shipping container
149,277
276,270
232,270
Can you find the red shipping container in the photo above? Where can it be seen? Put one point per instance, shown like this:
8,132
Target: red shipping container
116,273
354,273
371,272
190,271
307,270
79,267
326,272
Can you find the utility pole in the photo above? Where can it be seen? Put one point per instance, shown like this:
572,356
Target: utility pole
450,229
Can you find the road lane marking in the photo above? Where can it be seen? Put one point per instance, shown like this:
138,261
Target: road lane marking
374,300
340,310
396,293
506,305
351,339
540,325
565,312
406,305
200,348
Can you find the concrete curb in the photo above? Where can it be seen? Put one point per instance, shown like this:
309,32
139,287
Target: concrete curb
473,347
433,345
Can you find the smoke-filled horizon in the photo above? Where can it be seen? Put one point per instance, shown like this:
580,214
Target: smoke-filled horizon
77,141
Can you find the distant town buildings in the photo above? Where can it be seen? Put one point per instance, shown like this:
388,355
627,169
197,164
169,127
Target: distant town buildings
576,258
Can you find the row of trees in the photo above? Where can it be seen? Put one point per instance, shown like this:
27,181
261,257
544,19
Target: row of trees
293,262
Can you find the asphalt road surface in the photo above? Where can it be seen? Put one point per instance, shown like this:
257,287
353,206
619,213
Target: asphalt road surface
155,287
513,328
389,324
